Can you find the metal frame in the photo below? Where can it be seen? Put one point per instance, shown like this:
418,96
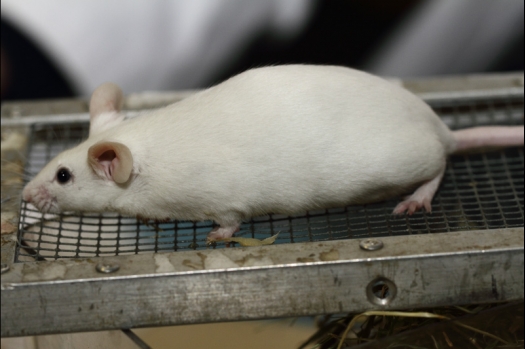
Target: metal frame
88,294
263,282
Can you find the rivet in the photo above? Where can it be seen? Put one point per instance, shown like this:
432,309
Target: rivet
371,244
5,268
107,268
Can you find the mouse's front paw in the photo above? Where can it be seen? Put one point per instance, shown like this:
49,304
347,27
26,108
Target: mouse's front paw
220,233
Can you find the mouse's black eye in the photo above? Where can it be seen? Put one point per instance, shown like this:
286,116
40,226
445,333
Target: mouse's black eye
63,175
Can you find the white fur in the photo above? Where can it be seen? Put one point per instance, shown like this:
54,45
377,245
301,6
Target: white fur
105,121
278,139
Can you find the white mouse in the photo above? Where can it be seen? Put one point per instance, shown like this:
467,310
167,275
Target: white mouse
281,139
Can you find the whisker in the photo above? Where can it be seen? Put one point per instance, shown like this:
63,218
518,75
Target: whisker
2,201
17,165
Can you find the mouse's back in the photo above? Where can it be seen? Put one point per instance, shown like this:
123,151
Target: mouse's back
283,139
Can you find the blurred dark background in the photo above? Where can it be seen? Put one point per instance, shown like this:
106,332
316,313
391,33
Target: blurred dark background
349,33
340,32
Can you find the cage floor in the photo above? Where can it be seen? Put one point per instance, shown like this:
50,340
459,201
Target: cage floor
478,191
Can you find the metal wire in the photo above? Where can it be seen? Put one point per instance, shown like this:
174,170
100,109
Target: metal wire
479,191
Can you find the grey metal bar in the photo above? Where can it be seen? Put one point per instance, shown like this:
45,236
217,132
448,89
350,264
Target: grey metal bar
264,282
429,97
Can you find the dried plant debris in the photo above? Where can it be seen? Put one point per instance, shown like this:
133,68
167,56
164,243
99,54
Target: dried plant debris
250,242
488,326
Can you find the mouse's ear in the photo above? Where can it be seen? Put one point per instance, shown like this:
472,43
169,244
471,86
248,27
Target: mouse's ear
104,108
111,160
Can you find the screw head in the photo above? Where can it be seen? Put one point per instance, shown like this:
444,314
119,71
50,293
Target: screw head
107,268
371,244
4,268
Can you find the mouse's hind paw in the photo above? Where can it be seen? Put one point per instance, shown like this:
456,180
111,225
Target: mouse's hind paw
410,206
421,198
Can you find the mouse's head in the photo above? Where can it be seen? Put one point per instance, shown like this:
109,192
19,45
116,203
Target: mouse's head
90,176
87,178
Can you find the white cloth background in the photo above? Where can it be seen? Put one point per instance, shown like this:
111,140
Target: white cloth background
149,44
179,44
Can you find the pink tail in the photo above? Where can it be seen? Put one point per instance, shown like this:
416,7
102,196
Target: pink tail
488,136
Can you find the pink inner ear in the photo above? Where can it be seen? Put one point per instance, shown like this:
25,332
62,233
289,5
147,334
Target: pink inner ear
111,160
106,162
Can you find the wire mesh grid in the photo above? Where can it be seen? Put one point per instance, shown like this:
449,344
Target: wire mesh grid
479,191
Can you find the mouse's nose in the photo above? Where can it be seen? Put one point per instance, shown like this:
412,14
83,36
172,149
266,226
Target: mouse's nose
26,194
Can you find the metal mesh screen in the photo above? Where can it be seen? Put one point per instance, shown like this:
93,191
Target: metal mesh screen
479,191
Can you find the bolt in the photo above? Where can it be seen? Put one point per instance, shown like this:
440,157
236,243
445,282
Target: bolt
371,244
4,268
107,268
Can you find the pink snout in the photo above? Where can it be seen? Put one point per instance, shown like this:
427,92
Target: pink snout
26,194
40,197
